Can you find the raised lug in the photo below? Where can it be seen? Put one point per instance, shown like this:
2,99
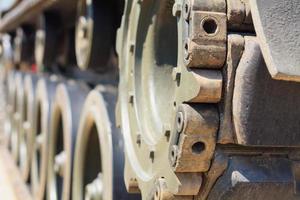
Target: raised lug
239,15
205,44
206,47
196,143
210,83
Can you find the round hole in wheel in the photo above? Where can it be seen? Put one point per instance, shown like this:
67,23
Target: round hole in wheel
92,164
99,158
210,26
66,108
186,7
59,147
198,147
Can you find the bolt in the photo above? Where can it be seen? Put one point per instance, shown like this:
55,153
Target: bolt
39,141
167,131
131,98
53,78
59,163
17,116
133,186
187,10
139,139
179,121
176,10
186,50
40,34
151,155
176,74
26,126
94,190
161,190
131,48
83,28
173,156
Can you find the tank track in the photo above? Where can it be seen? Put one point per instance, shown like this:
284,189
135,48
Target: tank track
153,100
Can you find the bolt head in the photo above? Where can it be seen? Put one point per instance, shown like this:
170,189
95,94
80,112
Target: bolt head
176,11
186,10
173,154
161,190
179,122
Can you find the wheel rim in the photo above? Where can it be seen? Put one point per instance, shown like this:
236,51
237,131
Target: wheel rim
69,99
46,42
10,99
17,117
95,30
44,94
155,83
27,126
93,132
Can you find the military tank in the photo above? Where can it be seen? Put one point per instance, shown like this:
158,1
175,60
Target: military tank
153,100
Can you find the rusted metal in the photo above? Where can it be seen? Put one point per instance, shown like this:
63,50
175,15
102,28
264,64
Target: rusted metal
196,143
206,28
234,54
210,82
219,164
156,82
239,15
